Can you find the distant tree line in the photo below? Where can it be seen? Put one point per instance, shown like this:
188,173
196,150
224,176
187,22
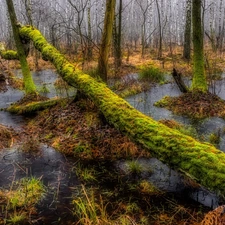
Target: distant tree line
76,25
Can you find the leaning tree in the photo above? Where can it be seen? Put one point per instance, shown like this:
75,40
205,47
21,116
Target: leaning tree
22,46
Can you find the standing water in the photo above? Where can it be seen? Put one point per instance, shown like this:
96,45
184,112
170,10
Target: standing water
56,171
172,181
52,167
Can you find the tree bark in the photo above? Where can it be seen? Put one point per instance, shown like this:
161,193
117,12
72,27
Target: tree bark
187,33
201,160
106,39
89,47
199,79
160,31
118,36
21,52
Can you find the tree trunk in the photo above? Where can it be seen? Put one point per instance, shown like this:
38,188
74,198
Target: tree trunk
117,37
89,47
160,31
199,80
28,80
201,160
187,34
106,39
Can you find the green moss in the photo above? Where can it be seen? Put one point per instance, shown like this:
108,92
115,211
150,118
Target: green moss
9,55
163,102
199,82
32,107
172,147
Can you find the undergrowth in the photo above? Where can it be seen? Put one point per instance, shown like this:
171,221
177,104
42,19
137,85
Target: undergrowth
152,74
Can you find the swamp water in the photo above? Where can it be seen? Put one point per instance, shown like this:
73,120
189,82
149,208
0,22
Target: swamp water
46,164
167,179
58,172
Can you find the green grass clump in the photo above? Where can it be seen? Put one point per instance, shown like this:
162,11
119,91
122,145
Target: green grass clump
28,193
152,74
86,174
134,167
88,210
16,218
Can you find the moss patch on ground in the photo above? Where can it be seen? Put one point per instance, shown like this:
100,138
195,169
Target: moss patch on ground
196,105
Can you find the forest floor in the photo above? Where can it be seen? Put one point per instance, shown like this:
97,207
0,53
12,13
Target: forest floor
79,130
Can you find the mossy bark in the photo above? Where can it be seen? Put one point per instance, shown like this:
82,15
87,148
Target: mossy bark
201,160
9,55
106,39
199,82
32,106
21,52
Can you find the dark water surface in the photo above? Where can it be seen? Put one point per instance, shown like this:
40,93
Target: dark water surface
144,102
56,170
168,179
50,166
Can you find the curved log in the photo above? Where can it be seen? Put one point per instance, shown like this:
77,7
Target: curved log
201,160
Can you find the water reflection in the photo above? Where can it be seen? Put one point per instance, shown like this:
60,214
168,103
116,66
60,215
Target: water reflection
168,180
144,102
46,78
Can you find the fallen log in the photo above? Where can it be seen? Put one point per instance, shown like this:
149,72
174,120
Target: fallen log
201,160
9,55
32,106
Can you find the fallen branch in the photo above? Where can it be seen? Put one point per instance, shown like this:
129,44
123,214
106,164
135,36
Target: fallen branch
180,83
32,106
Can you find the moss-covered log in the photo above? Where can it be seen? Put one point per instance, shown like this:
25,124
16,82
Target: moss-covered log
9,55
32,106
201,160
